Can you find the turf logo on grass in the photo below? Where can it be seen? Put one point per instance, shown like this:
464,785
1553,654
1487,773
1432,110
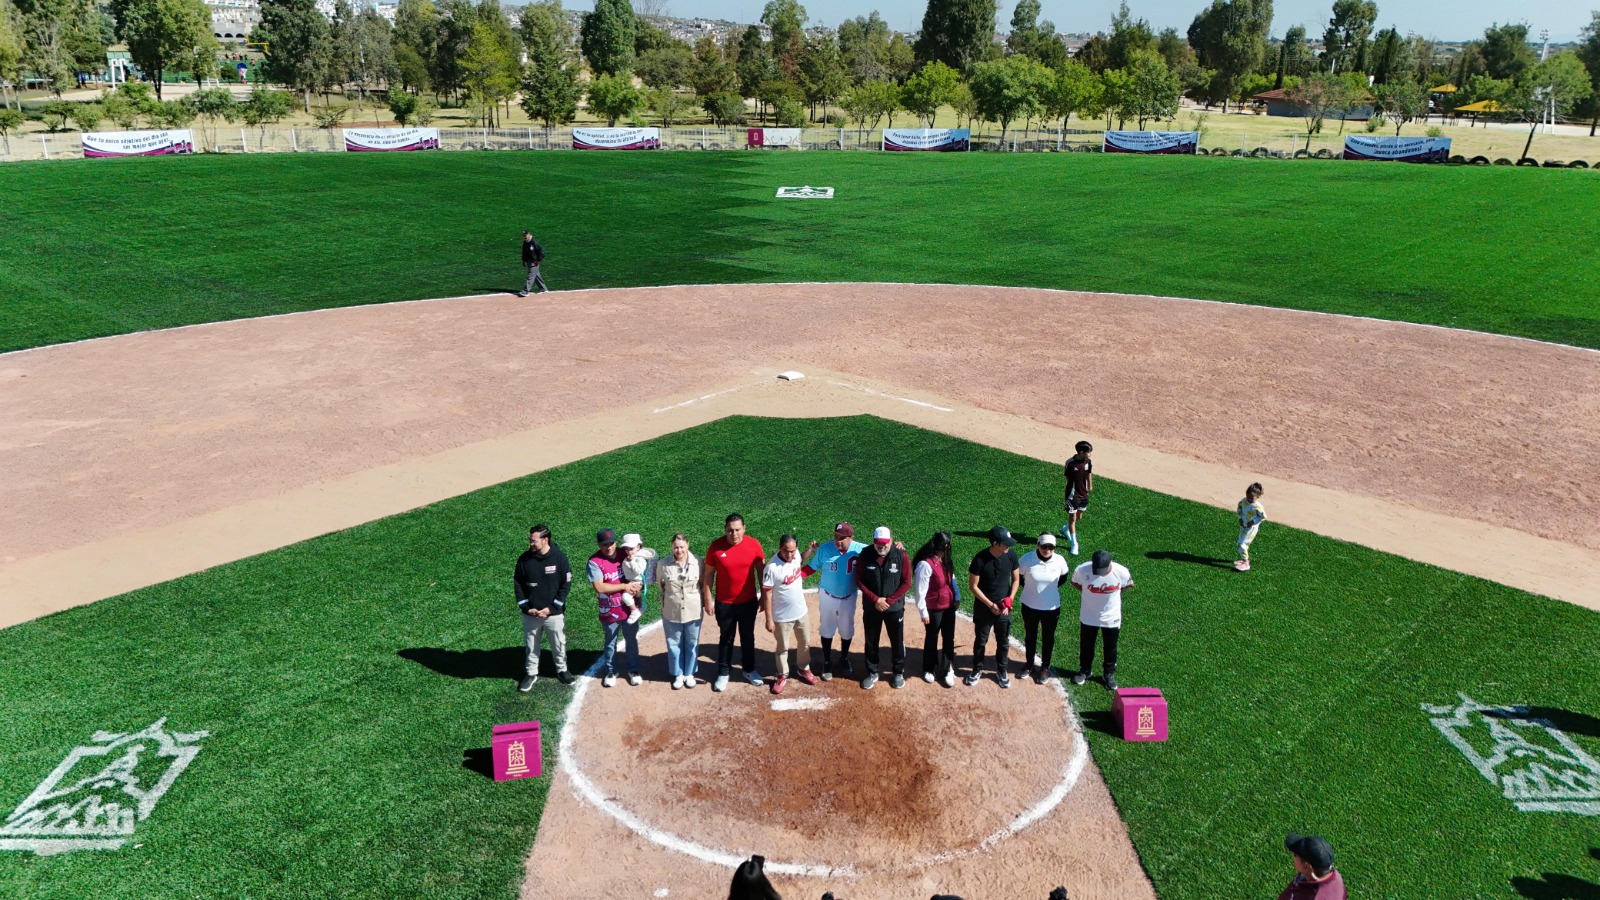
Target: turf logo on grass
806,192
1533,762
101,791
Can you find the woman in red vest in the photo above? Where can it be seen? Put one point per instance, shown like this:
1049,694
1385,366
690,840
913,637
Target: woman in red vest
938,598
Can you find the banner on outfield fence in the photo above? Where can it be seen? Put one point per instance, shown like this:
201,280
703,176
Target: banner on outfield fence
370,140
784,138
1152,142
927,138
616,139
97,144
1397,149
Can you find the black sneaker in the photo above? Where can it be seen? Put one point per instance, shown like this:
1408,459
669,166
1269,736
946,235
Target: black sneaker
845,668
971,679
1079,678
527,682
1040,676
1005,680
868,682
1111,682
898,682
827,668
565,677
1027,672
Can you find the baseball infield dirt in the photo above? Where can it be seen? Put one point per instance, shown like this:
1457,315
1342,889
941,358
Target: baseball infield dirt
978,791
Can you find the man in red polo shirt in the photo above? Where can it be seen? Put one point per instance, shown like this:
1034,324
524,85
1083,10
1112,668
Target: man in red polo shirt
728,590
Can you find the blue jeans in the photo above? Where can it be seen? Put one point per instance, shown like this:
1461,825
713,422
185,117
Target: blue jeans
630,636
683,647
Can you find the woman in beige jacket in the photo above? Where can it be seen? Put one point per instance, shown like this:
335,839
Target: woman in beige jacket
678,576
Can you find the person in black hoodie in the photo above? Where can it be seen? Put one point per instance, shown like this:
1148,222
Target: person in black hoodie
542,580
532,257
883,573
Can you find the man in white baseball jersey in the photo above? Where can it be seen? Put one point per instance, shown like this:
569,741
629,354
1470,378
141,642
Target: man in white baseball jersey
1251,515
1102,582
783,599
836,595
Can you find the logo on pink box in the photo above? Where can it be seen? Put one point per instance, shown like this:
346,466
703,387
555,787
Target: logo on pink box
517,751
1141,714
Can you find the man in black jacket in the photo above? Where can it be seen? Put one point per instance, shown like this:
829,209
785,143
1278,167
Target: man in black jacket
532,256
883,573
541,582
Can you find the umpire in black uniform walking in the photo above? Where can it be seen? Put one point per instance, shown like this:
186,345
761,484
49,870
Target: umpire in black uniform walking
532,256
995,575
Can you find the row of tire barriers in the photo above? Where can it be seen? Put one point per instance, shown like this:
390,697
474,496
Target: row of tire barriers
1459,160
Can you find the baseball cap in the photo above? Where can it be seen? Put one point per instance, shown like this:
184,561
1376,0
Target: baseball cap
631,540
1101,561
605,536
1316,851
881,535
1047,540
844,529
1001,535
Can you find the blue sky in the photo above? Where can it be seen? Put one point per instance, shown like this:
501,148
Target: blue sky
1455,20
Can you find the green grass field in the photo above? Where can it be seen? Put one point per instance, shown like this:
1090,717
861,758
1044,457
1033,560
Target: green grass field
344,680
104,247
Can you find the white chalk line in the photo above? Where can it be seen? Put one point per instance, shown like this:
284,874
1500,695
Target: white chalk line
588,791
867,390
802,703
700,399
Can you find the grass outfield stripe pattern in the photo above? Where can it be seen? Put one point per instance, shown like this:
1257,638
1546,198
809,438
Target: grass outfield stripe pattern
222,237
345,679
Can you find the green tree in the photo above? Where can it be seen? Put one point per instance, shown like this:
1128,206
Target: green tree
607,37
127,103
864,47
1318,97
172,114
787,19
550,89
871,100
613,97
1293,56
453,37
930,88
1505,50
10,120
957,33
1128,37
416,38
1346,38
668,67
1231,38
1401,100
87,33
901,60
753,63
1552,88
1146,89
213,105
299,44
265,107
1095,53
1009,89
164,34
87,116
43,28
1174,49
11,53
668,105
712,73
1024,27
724,107
363,48
823,77
1589,53
1390,57
486,72
1076,90
964,104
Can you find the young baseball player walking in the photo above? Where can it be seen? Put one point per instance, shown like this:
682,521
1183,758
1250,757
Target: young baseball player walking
1251,515
1079,472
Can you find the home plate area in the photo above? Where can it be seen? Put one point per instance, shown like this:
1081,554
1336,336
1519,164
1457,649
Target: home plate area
978,791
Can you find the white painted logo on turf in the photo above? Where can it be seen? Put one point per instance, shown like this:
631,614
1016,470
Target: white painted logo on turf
806,193
101,791
1534,763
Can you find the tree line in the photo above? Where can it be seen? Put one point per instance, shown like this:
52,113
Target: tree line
625,65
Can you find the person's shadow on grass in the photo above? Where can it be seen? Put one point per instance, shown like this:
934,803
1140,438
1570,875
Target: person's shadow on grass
1567,721
1180,556
505,663
1555,886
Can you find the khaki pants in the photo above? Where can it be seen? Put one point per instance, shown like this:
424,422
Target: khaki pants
556,627
794,636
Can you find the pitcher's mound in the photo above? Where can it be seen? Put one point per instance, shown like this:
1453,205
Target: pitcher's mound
975,790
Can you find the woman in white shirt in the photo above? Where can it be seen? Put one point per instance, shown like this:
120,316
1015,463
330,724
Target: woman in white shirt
1043,572
679,579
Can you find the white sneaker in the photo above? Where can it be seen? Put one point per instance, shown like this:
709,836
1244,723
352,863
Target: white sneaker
721,684
950,678
1074,546
928,677
689,682
635,680
1066,531
1037,662
677,683
635,615
608,681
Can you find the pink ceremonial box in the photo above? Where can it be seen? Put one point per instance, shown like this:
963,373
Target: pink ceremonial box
1141,713
517,751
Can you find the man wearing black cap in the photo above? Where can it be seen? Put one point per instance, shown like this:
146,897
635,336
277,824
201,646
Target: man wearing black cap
1102,582
995,574
1315,878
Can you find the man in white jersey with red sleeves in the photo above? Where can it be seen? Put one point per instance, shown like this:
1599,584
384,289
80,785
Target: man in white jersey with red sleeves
1102,582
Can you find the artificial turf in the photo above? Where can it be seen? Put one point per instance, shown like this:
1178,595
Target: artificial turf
100,247
348,682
